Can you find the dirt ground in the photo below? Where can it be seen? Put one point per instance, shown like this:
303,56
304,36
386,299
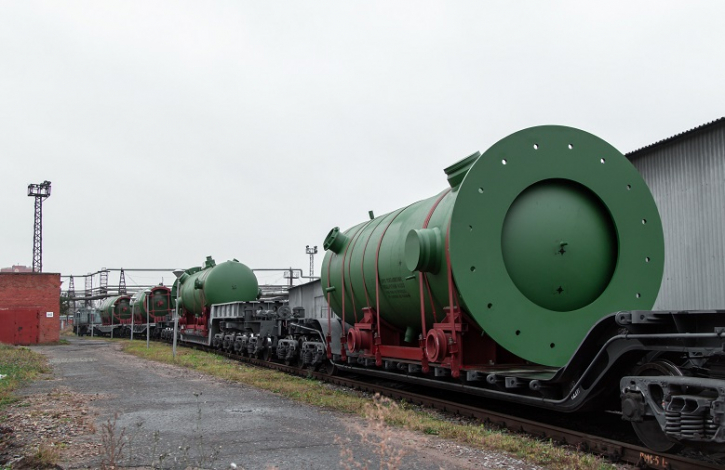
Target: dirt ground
48,427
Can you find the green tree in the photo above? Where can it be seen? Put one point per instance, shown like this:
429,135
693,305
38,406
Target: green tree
64,306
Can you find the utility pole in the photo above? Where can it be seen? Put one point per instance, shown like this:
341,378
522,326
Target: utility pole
122,283
312,251
40,192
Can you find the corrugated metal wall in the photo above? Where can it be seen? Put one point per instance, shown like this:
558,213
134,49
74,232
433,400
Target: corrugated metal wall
687,178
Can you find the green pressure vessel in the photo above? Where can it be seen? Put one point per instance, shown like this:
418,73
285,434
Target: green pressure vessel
160,303
116,308
544,234
230,281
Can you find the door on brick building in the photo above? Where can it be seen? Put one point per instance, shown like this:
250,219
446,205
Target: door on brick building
19,325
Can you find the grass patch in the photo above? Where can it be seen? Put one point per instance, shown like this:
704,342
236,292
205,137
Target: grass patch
19,365
297,388
398,414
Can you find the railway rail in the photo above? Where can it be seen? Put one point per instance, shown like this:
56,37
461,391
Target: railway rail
615,451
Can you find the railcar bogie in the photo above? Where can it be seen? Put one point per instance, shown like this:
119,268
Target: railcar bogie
269,331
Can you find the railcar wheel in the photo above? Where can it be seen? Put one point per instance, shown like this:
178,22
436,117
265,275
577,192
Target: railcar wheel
649,431
328,368
266,354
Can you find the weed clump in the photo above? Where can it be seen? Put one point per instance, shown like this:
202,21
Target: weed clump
44,456
113,441
376,434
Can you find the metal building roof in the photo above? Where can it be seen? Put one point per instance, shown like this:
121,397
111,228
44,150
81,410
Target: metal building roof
681,135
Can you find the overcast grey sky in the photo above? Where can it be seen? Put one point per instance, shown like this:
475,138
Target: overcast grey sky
172,130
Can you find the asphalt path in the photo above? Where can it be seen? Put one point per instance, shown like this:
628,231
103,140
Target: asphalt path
176,418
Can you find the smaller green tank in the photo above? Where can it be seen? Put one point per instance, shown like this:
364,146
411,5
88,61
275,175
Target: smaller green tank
160,303
230,281
115,309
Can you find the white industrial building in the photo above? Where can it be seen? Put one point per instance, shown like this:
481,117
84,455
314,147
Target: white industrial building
686,174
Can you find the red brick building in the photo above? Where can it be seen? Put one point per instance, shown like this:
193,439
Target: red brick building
29,308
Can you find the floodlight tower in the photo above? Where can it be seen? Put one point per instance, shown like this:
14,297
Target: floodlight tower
312,251
40,192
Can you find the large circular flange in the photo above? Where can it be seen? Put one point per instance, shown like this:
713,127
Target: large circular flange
553,229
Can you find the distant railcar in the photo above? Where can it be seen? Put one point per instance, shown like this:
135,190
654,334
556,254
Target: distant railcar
115,310
84,320
159,302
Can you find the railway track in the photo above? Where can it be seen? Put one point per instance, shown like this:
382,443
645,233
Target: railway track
615,451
